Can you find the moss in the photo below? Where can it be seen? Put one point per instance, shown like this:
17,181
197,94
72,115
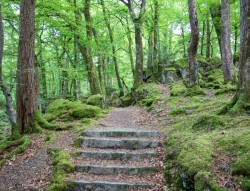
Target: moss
177,89
85,111
216,76
244,183
169,69
67,111
96,100
241,166
178,111
241,106
61,165
195,156
126,100
193,91
208,123
77,142
202,181
203,61
226,89
181,63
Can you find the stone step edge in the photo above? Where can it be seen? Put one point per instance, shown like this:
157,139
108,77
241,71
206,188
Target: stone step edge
113,133
107,185
112,170
124,156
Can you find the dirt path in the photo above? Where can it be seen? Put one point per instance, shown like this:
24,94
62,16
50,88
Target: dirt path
32,169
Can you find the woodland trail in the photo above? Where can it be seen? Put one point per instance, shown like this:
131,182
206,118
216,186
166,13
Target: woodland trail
124,151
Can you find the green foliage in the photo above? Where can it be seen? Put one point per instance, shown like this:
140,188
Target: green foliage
61,165
208,123
215,76
202,181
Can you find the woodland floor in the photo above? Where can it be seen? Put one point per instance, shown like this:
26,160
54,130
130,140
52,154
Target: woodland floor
32,169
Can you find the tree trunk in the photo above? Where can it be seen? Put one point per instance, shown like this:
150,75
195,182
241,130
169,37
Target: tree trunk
137,21
192,51
227,60
235,38
244,73
203,36
139,54
9,106
94,82
150,50
156,41
100,62
130,49
113,49
26,85
183,42
208,39
215,11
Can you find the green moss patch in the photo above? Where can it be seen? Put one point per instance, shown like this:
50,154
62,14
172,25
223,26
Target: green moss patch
96,100
208,123
177,89
65,110
61,166
16,147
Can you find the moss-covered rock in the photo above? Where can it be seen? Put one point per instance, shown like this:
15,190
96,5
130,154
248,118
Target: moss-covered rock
215,76
177,89
195,90
85,111
202,181
208,123
126,100
96,100
66,110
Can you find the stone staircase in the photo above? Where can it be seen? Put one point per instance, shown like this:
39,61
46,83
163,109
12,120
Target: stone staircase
117,159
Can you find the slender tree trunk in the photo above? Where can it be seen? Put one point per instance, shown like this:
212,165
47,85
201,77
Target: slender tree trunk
9,106
208,39
241,101
235,38
215,11
203,36
130,49
137,21
139,54
150,50
227,60
100,62
156,41
192,51
26,85
94,82
111,37
183,42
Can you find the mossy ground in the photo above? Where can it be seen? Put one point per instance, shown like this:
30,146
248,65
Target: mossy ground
195,132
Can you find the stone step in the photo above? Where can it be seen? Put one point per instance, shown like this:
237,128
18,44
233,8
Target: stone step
111,170
118,155
120,132
83,185
120,143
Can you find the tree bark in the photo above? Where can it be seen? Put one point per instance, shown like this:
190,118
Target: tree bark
137,21
208,48
94,82
244,70
192,51
111,37
203,36
227,60
26,85
150,50
156,41
215,11
183,42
